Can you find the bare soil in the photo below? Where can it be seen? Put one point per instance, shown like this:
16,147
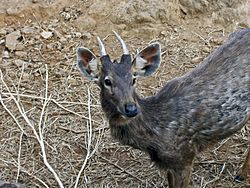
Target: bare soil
45,101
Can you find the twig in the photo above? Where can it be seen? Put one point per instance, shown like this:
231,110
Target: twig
222,143
206,42
217,177
42,98
89,137
25,171
38,137
41,134
13,117
19,156
54,101
81,132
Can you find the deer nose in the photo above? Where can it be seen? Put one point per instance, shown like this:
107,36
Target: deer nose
131,110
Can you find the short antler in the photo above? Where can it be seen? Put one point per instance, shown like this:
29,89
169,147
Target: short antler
101,46
124,47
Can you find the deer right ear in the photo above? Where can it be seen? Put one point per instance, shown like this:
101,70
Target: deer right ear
87,63
147,61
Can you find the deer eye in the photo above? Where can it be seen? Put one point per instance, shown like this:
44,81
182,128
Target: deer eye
107,82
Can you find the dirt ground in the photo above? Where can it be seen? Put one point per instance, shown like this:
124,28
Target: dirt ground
51,125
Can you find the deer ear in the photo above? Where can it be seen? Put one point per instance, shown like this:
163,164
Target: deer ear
87,63
147,61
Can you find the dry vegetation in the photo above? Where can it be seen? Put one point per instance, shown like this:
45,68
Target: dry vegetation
52,130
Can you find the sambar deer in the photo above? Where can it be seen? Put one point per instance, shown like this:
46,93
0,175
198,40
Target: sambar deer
189,114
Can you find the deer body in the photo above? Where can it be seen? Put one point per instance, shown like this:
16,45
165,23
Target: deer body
186,116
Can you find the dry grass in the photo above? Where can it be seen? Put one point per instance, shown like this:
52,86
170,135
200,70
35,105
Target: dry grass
53,132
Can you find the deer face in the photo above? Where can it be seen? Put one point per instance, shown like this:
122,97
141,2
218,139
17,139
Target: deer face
117,79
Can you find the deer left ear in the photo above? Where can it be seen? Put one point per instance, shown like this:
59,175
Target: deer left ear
87,63
147,61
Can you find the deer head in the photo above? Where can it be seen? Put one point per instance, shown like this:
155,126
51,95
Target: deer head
117,79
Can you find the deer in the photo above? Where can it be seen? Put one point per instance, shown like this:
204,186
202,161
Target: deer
188,115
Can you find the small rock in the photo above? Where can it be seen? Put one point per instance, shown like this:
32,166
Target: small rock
83,23
86,35
12,11
217,41
72,81
58,34
6,54
121,26
2,41
27,30
19,62
206,49
25,76
21,53
63,40
3,32
196,60
19,46
58,46
164,33
50,46
11,40
244,22
66,15
78,34
34,1
42,70
68,36
9,30
5,63
37,74
46,34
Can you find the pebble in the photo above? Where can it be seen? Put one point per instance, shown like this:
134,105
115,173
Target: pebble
206,49
27,30
217,41
50,46
72,81
5,63
78,34
11,40
3,32
86,35
21,53
42,70
12,11
196,60
19,62
2,41
19,46
25,76
6,54
46,34
68,36
62,39
164,33
66,15
58,34
83,23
